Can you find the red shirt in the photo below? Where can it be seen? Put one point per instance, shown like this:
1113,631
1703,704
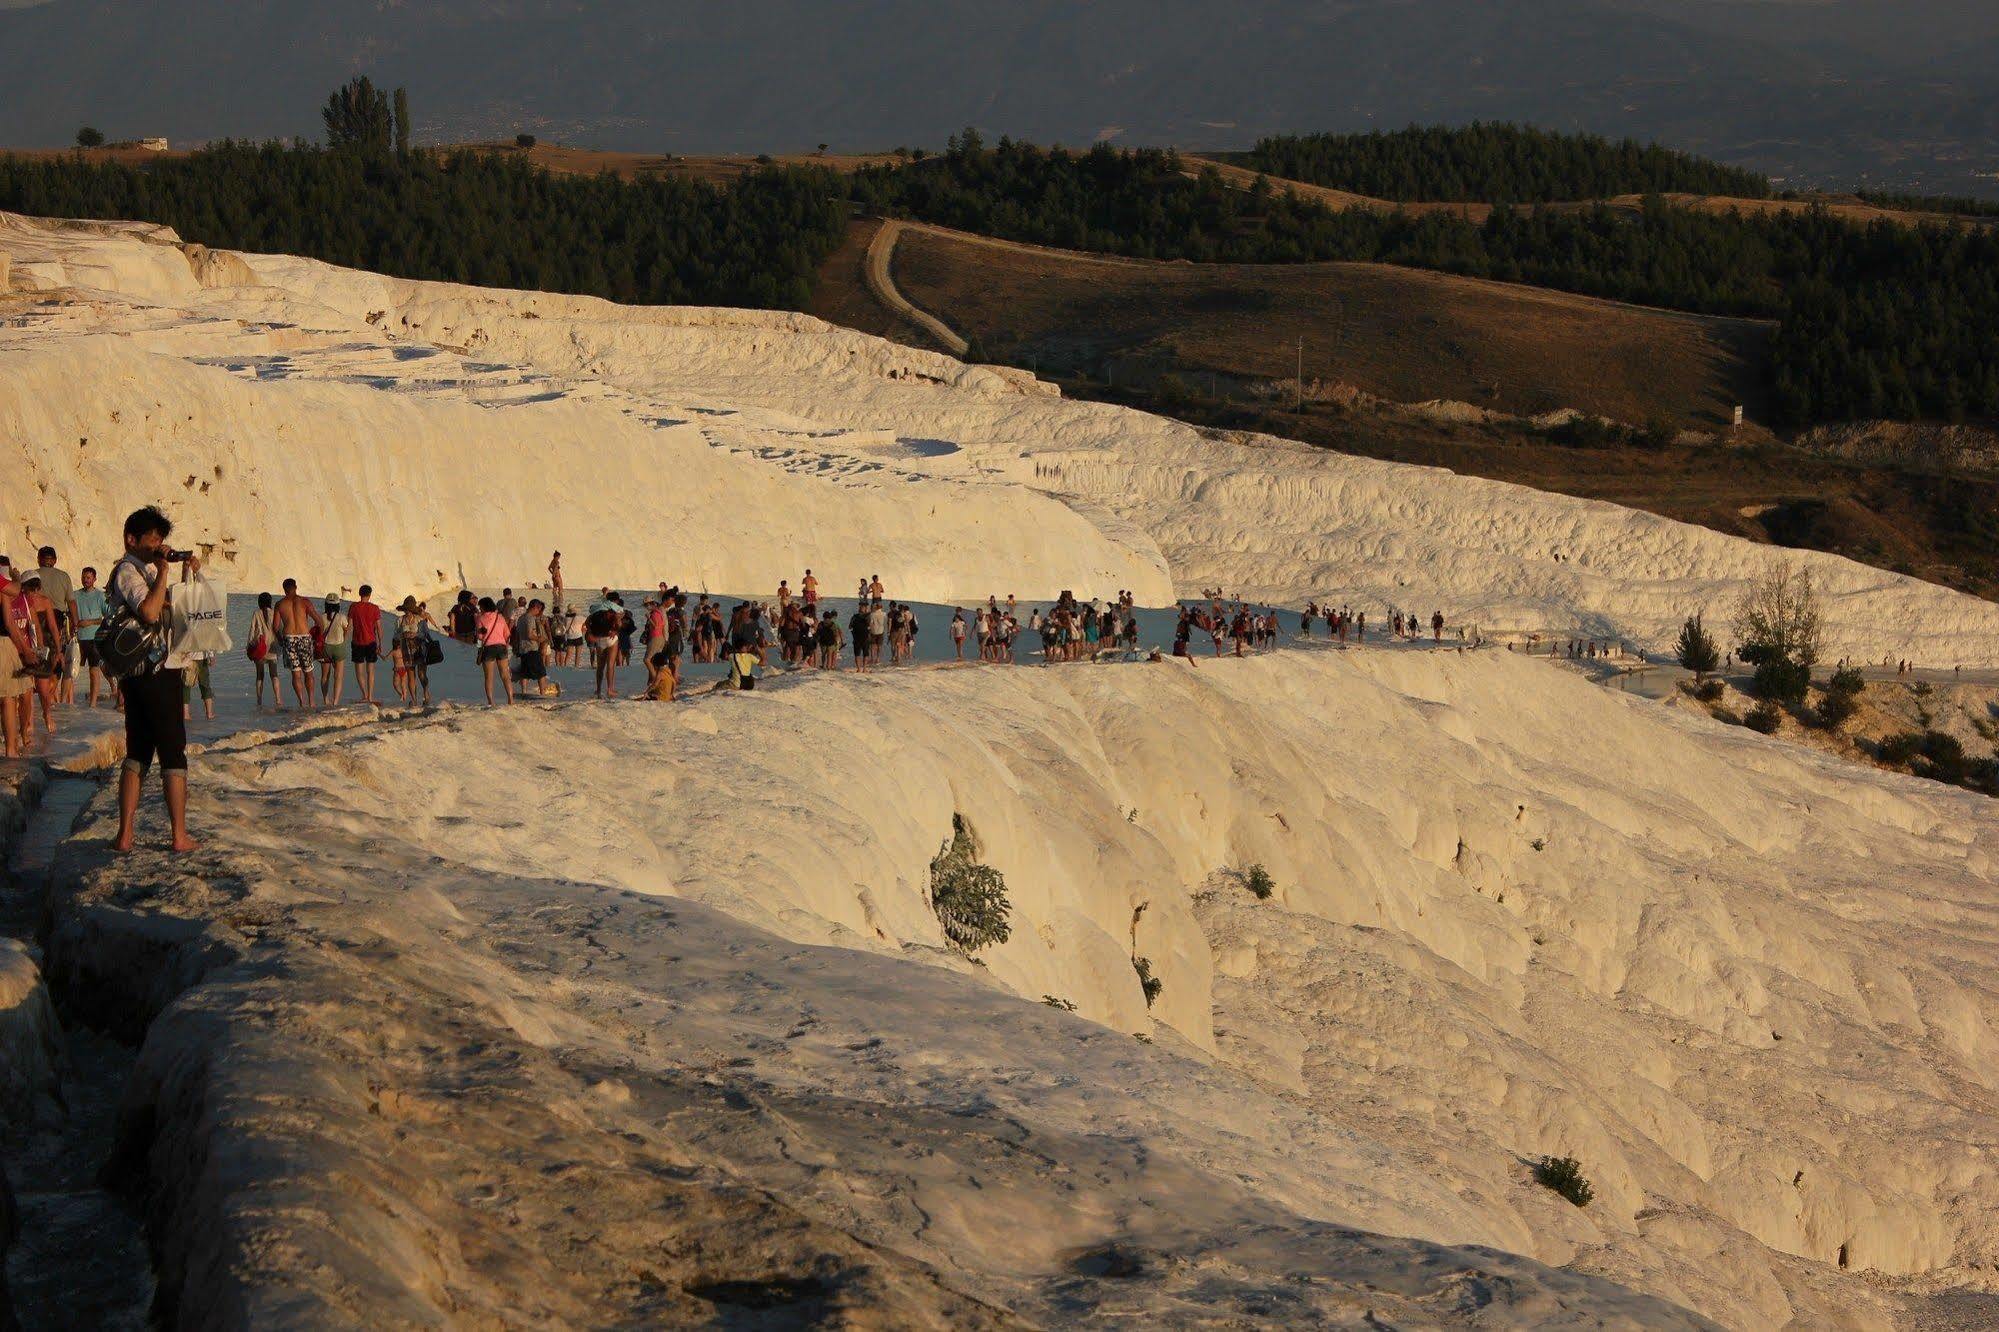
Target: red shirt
366,617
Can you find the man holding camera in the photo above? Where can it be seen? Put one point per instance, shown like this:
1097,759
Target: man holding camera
154,727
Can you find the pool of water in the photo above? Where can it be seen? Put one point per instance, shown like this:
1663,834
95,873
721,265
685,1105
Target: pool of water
457,678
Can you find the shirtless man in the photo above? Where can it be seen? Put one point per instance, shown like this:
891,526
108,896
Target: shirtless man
296,619
810,587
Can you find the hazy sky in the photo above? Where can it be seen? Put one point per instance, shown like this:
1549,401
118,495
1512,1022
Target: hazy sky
1842,91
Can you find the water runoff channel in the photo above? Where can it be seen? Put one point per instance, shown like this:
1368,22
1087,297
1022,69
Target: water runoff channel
457,678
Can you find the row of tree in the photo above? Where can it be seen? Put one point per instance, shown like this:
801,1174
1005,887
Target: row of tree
1495,163
363,117
482,218
1956,205
1880,321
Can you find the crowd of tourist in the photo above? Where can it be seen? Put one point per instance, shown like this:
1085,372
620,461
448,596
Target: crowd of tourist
517,640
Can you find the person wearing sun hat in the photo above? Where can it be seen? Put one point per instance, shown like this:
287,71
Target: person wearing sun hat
412,672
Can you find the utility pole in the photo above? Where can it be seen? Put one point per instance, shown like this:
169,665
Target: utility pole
1301,376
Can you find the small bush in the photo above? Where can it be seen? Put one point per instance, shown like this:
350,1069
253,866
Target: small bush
1659,433
969,898
1708,691
1764,718
1835,709
1945,755
1847,680
524,141
1781,680
1148,982
1901,748
1586,432
1564,1175
1067,1006
1259,882
89,137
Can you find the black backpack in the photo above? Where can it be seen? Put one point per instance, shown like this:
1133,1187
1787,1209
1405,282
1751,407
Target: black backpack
127,645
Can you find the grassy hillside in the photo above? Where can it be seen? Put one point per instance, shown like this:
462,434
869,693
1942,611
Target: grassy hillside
1398,333
1882,321
1214,343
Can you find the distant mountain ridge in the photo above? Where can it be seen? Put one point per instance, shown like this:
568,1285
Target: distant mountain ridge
1845,91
